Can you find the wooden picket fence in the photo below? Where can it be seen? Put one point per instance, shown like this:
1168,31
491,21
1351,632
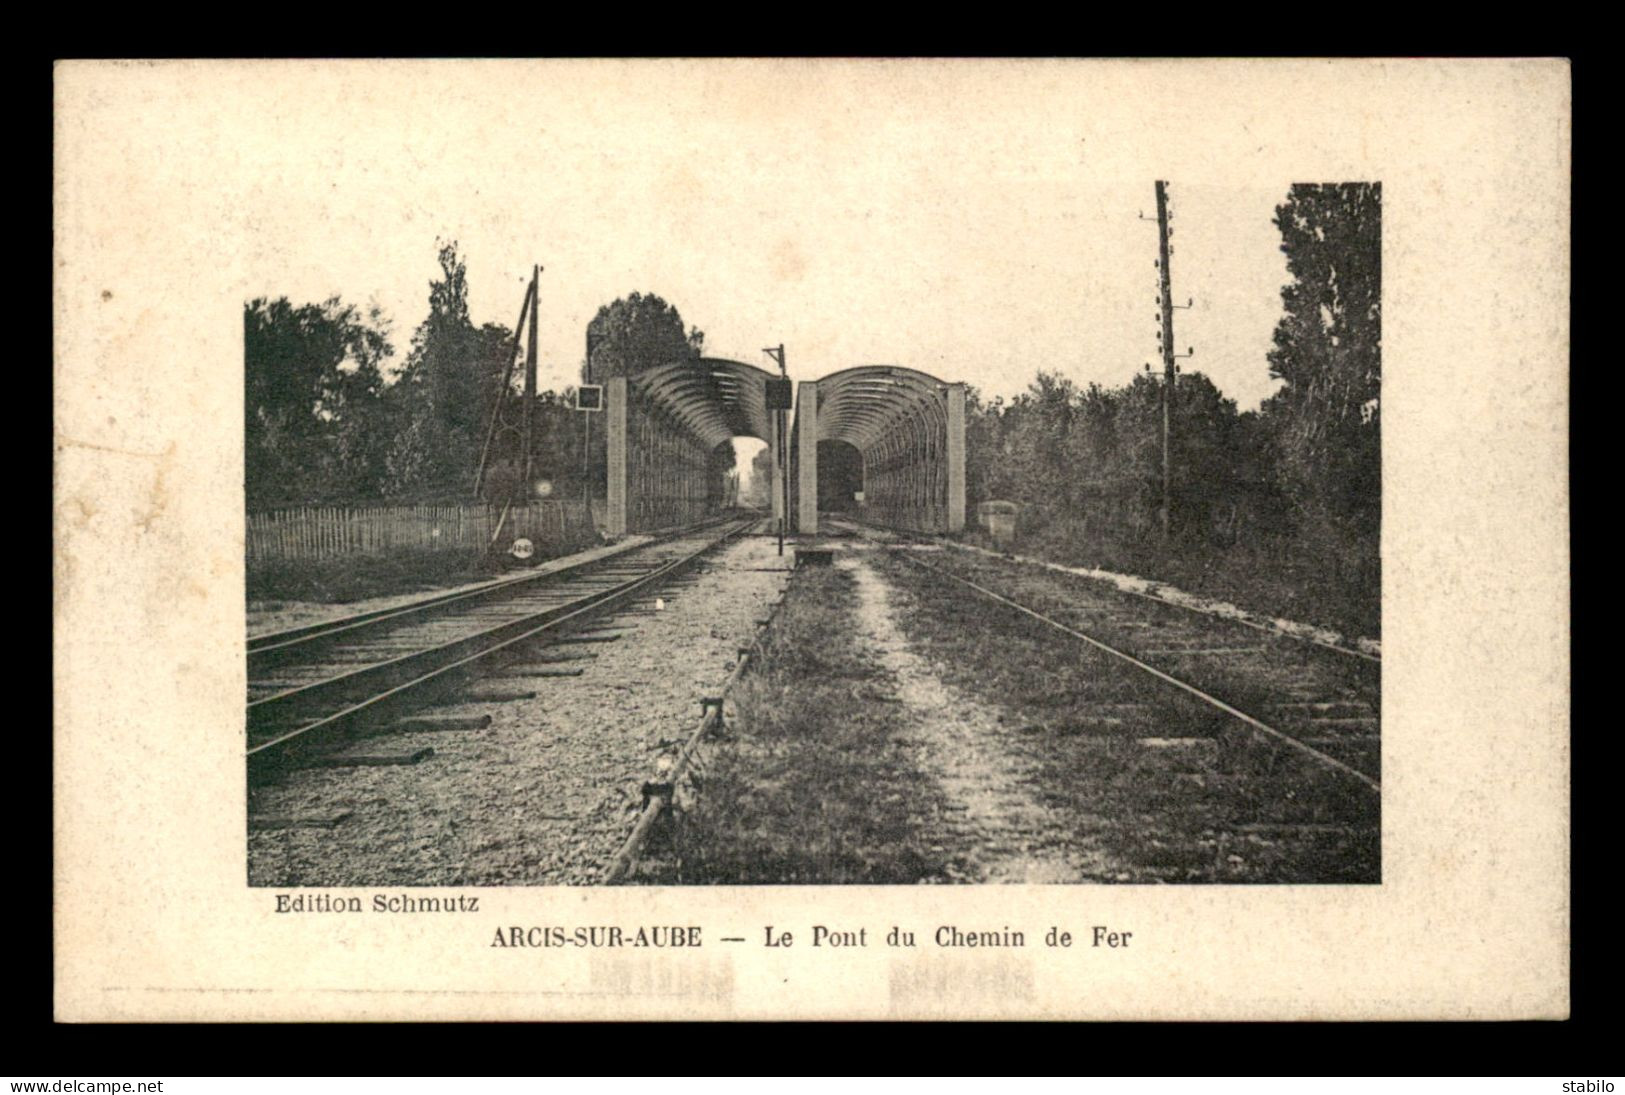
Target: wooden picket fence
324,532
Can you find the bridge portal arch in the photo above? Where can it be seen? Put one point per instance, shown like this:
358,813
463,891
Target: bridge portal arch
909,428
662,426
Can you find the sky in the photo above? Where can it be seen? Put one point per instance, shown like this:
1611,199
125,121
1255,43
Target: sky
979,224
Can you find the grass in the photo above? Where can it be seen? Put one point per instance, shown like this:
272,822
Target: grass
1249,814
819,782
358,577
816,783
1290,582
1135,624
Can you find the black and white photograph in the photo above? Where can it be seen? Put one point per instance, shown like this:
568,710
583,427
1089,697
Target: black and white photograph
1051,557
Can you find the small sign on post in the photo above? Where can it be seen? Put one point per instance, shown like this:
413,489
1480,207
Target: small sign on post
590,397
779,394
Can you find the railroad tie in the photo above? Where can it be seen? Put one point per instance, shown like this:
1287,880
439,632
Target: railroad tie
1084,724
368,760
1175,755
1330,709
529,668
1205,650
569,640
443,722
266,822
540,672
1294,827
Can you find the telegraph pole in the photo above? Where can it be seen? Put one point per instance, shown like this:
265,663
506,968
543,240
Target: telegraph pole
530,377
586,435
498,422
1170,370
777,354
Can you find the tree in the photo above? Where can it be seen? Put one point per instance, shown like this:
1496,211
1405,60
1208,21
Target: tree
556,447
639,332
1033,440
1094,455
1205,456
1328,350
442,401
760,493
312,384
1123,429
719,471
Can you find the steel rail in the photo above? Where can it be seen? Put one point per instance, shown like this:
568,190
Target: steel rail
1044,564
344,626
1270,731
604,582
434,657
1254,624
626,858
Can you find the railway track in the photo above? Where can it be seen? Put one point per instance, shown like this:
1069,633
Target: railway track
313,688
1321,702
1330,718
1302,635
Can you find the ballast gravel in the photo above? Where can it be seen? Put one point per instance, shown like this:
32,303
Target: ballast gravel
547,793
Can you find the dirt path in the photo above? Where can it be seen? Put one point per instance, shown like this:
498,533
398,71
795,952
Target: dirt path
1011,835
